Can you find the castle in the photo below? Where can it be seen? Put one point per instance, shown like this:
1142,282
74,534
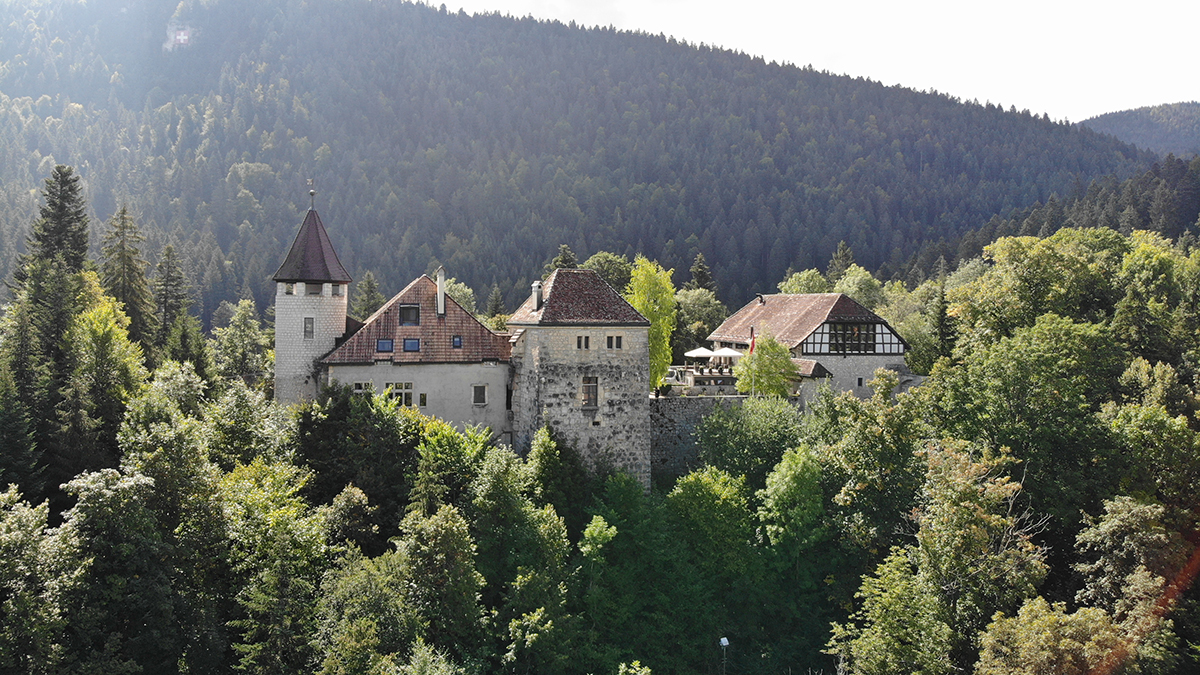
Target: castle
576,357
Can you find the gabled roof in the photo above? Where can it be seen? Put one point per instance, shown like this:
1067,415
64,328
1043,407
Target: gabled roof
791,318
312,257
435,332
577,297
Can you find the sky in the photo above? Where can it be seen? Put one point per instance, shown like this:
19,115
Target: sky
1070,59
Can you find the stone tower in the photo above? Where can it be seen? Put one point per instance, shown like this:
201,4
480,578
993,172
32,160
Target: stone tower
580,364
311,289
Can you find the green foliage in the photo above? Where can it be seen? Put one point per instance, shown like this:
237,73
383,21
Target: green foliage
1170,127
185,343
495,306
61,229
614,269
367,297
768,371
243,425
123,273
1044,638
792,508
564,260
748,440
651,292
462,294
241,347
699,313
447,463
842,260
560,479
701,276
172,292
808,281
858,283
278,553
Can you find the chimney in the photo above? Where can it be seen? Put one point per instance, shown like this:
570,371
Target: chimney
537,295
441,296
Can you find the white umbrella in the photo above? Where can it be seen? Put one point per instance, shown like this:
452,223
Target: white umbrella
726,351
699,353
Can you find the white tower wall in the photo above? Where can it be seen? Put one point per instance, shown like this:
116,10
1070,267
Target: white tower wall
296,375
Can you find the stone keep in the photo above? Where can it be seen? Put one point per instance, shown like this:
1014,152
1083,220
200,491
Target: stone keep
580,364
310,310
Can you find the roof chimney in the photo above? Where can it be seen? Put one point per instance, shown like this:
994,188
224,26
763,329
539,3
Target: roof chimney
761,299
537,295
441,296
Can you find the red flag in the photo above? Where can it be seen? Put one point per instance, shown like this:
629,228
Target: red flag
752,339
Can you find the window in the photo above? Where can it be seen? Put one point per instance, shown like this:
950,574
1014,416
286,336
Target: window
456,342
583,342
845,338
363,387
336,290
309,327
614,341
591,392
422,400
479,394
410,315
402,391
412,344
383,345
860,381
289,289
312,289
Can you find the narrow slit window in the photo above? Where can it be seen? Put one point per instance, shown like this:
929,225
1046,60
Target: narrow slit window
309,327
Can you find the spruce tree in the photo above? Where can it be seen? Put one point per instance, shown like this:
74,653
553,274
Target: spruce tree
564,260
172,292
701,276
123,273
495,302
841,261
61,230
367,298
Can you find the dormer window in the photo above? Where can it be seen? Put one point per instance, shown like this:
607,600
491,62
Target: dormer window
336,290
312,289
410,315
456,342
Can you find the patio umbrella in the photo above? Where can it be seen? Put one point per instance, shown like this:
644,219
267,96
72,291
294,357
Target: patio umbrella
699,353
726,351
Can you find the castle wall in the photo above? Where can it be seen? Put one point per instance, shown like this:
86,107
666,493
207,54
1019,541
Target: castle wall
448,390
295,355
849,369
548,371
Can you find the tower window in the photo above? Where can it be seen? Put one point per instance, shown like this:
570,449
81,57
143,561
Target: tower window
410,315
289,289
336,290
583,342
312,289
591,392
309,327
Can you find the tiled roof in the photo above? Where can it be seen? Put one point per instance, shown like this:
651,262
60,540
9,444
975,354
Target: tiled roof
435,333
312,257
577,298
810,368
791,318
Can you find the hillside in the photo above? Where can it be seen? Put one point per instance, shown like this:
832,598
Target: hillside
483,142
1169,128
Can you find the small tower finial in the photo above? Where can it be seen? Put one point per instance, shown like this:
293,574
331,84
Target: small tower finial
312,194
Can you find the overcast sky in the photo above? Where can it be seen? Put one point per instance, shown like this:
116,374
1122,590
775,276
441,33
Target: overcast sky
1073,59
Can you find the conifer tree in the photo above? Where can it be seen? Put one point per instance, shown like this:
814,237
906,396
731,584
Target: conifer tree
123,273
172,292
841,261
495,302
61,230
367,298
19,460
701,276
564,260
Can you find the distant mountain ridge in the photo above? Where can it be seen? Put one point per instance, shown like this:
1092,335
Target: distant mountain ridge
483,142
1169,128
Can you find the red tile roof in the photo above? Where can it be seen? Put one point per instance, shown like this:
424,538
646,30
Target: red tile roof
577,298
791,318
435,333
311,257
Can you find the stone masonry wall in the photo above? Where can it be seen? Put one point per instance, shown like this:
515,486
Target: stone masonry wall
548,369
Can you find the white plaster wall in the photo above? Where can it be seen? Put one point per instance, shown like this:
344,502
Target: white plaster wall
295,378
848,369
448,388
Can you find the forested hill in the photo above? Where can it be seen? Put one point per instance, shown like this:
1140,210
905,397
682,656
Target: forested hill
483,142
1170,128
